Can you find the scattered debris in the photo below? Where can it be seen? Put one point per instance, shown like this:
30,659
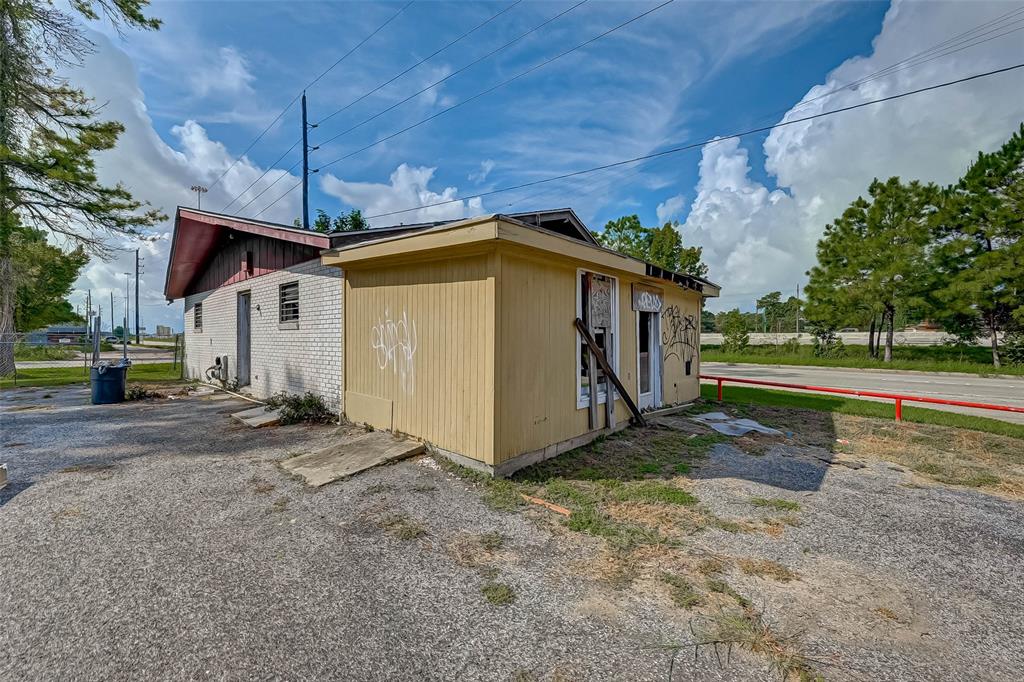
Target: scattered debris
429,462
731,426
3,475
549,505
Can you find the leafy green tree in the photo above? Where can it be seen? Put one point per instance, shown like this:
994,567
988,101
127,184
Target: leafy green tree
772,309
874,257
707,318
351,221
662,246
978,260
323,222
734,331
43,277
49,135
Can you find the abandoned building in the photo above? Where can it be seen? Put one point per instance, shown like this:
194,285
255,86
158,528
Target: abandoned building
473,335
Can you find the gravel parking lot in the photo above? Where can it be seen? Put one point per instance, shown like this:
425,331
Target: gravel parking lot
158,539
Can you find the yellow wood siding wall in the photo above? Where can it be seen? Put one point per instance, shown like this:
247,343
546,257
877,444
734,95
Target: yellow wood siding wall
443,312
680,339
536,354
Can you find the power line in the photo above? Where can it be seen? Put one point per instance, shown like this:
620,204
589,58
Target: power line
263,191
453,73
936,51
309,85
495,87
695,145
360,98
420,62
944,48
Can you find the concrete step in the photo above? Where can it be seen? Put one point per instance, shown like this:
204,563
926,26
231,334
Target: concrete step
258,416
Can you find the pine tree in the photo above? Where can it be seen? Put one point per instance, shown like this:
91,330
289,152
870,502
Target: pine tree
979,254
48,137
874,257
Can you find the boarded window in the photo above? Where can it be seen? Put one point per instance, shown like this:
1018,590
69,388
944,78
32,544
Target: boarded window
247,263
197,315
596,298
289,302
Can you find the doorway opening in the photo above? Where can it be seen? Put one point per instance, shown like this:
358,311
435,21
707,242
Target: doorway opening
243,337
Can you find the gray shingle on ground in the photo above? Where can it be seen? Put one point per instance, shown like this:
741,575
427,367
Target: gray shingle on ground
172,546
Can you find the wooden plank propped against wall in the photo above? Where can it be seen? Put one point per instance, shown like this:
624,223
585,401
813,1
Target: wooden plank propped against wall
588,286
595,352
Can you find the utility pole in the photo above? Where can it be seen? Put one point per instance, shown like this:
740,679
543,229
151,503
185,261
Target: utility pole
88,315
137,339
124,329
111,311
798,310
305,165
200,191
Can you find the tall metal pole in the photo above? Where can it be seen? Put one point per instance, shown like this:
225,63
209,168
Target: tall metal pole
798,310
137,340
305,166
111,311
124,329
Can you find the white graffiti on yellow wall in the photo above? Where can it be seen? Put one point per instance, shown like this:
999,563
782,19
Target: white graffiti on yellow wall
394,342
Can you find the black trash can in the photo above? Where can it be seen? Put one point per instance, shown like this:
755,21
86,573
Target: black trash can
108,383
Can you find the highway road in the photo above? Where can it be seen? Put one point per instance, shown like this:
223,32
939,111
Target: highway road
997,390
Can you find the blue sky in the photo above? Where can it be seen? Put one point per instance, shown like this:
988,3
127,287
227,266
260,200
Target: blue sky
196,93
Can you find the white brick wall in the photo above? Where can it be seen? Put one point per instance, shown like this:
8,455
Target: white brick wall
291,360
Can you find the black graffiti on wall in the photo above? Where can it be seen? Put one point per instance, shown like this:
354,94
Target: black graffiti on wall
679,337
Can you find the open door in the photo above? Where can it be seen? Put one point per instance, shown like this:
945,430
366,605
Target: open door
243,338
647,302
648,360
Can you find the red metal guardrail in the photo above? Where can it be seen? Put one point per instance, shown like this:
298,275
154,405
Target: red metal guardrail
898,397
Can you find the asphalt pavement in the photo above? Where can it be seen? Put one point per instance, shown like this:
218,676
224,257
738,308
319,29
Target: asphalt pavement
138,354
966,387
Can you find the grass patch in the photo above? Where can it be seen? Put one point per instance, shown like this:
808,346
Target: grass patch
492,541
711,566
629,454
748,629
498,593
861,408
423,487
970,360
682,592
654,492
722,587
402,527
775,503
25,352
766,568
60,376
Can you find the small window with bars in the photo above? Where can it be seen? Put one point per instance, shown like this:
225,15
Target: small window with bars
289,303
197,317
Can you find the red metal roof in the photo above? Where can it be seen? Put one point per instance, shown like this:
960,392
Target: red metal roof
197,233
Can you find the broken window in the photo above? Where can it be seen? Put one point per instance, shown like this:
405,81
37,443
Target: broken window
197,317
597,297
288,304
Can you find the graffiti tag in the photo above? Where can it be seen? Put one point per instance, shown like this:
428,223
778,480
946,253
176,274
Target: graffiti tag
394,342
679,335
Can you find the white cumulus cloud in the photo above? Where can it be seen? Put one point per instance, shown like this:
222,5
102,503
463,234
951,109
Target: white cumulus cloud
406,188
758,239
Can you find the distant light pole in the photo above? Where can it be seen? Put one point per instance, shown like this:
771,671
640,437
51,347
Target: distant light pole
200,191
